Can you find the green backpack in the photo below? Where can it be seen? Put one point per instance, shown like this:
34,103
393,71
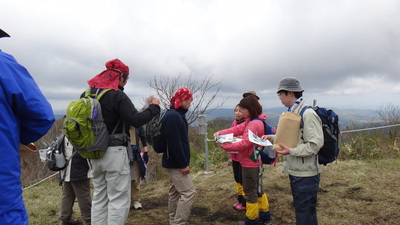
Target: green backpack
84,125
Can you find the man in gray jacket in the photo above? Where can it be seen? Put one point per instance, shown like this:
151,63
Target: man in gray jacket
301,162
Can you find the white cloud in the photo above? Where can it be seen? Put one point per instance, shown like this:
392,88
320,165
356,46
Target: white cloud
344,52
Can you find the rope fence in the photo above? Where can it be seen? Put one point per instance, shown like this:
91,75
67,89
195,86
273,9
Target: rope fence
372,128
40,181
341,132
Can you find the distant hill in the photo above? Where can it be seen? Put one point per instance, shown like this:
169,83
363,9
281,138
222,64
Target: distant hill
347,117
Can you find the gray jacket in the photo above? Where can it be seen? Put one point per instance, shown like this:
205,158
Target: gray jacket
303,159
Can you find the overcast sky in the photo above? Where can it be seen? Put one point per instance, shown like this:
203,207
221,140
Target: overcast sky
346,53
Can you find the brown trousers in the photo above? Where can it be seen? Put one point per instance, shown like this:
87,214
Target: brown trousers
81,191
135,184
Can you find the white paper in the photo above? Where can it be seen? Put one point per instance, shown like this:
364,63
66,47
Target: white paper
257,140
227,138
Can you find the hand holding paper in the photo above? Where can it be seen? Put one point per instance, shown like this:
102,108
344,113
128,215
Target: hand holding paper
257,140
226,138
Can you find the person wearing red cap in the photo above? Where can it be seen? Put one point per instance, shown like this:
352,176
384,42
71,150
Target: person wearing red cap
177,158
26,116
111,173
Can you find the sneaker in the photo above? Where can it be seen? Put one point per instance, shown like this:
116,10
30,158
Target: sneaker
236,205
137,205
240,207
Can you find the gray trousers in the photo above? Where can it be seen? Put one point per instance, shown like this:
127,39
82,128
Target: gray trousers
180,198
112,187
79,190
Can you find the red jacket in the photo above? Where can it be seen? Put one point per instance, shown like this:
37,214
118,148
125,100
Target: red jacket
234,156
245,147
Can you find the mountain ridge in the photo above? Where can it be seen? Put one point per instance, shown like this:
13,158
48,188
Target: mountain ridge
347,117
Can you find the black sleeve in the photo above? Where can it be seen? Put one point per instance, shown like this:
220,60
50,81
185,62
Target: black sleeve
131,116
116,105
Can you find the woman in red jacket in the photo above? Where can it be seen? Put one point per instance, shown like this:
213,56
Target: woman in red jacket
257,206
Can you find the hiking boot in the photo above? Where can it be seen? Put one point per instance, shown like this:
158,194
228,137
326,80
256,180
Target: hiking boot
71,221
248,221
265,218
264,222
137,205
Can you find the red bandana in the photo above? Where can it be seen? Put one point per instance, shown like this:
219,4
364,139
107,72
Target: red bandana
181,94
109,78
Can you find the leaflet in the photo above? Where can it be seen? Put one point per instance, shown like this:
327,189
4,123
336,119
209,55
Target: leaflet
257,140
227,138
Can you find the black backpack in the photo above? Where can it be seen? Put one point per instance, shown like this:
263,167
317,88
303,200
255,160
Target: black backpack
55,158
268,130
330,127
154,136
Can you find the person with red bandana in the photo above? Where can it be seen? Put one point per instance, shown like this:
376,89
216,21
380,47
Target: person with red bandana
177,158
111,173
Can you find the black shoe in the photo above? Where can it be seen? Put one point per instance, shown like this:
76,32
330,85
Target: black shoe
264,222
71,221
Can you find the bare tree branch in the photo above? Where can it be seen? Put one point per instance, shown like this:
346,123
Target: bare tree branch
204,92
389,113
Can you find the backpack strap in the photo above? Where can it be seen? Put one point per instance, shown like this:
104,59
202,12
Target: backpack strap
99,92
304,109
301,114
302,125
267,127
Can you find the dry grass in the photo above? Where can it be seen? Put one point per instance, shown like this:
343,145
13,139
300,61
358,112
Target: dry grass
352,192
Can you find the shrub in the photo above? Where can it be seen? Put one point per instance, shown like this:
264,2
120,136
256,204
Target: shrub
370,144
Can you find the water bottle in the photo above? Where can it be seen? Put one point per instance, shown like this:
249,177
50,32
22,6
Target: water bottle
42,154
60,160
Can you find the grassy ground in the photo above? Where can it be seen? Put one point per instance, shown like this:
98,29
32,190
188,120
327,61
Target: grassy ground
351,192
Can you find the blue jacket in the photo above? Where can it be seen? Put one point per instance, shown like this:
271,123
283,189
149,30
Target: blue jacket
26,116
175,127
137,154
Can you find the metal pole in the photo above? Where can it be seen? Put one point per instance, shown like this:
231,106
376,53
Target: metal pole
206,149
203,130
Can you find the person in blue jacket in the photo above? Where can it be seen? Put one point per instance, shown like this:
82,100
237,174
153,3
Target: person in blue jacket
26,116
177,158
